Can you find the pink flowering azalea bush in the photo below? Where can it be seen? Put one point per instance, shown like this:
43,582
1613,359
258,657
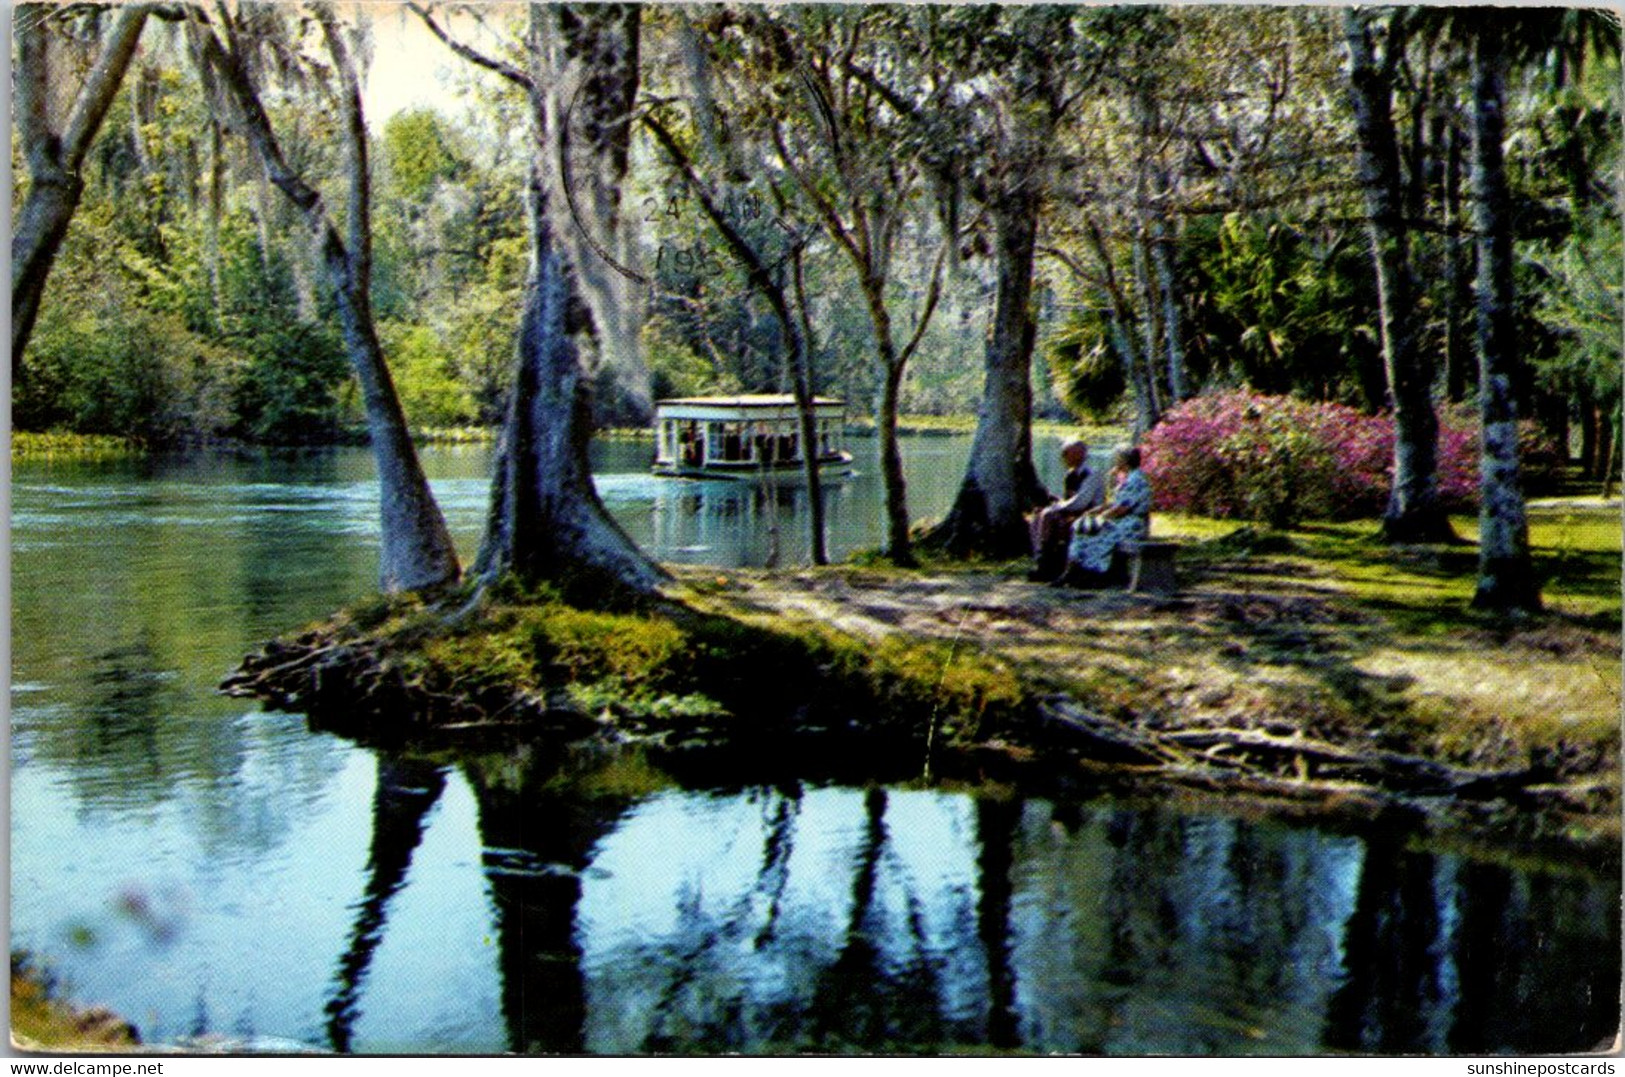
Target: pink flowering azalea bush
1277,460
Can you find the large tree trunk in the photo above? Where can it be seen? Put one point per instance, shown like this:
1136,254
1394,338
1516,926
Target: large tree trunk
1506,579
53,159
1458,352
1414,513
546,522
415,548
1001,484
595,149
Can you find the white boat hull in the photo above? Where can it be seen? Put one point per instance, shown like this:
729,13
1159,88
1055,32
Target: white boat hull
834,467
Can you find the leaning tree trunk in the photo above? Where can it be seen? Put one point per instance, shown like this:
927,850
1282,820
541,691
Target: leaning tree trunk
1414,511
1506,578
546,521
53,159
415,548
1001,484
406,791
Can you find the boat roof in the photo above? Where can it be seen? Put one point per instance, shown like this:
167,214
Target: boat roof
778,408
747,400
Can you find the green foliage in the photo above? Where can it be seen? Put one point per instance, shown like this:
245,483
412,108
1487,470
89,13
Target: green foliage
419,152
501,660
631,651
675,369
104,370
1087,371
289,389
27,445
1284,306
100,362
425,377
968,691
1584,303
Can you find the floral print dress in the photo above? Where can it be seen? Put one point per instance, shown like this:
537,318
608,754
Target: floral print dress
1094,552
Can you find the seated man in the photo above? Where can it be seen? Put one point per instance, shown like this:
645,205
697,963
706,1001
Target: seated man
1121,525
1051,526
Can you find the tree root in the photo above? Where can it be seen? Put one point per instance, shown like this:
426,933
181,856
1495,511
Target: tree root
1295,765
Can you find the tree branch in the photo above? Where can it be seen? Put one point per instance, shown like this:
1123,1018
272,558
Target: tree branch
228,64
932,295
832,219
97,96
755,269
506,70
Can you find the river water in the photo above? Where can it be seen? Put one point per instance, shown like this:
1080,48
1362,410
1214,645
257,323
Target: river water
208,869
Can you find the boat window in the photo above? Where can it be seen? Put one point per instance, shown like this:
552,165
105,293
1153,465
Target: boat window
727,441
693,445
762,443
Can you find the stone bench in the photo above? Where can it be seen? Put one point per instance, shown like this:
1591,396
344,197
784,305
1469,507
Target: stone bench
1151,568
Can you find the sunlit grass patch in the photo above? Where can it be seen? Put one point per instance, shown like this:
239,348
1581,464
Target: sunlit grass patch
1502,705
57,444
1183,526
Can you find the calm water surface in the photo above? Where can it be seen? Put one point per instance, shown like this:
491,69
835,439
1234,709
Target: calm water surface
207,868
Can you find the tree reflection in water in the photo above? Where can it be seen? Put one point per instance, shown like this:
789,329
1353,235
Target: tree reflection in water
405,792
807,918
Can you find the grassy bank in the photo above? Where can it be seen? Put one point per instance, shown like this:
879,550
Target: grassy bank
669,678
57,445
1314,666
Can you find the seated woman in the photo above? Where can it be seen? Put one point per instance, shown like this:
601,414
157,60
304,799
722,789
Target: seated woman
1121,525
